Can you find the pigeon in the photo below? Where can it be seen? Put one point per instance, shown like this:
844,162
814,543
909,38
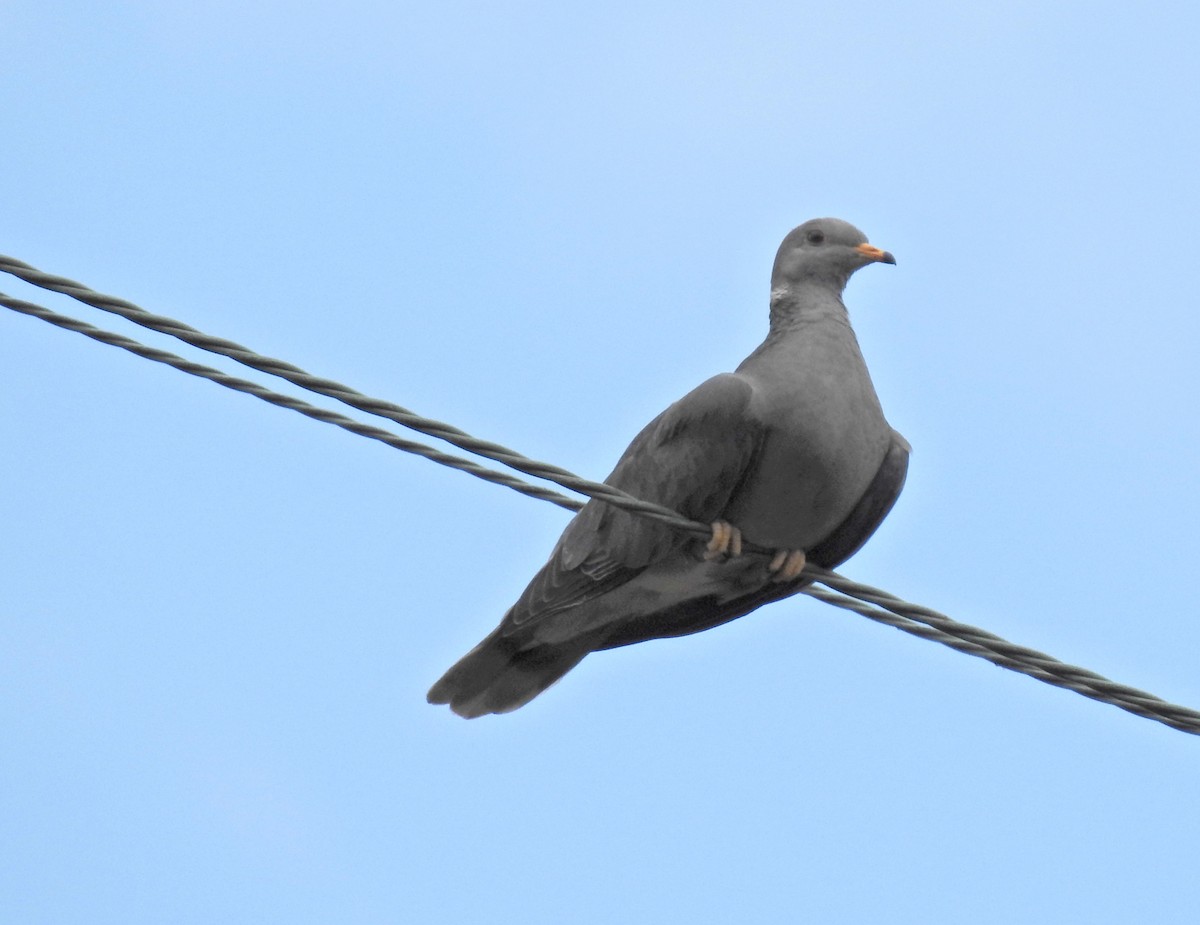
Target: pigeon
790,452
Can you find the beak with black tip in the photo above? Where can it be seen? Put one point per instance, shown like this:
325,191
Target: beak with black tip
871,252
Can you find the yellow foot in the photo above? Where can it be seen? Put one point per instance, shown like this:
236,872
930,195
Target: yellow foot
726,541
787,564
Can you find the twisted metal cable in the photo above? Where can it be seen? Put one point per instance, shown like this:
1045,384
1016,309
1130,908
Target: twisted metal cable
929,624
867,601
346,395
286,401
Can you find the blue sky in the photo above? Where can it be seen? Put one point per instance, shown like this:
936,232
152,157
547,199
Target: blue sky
544,223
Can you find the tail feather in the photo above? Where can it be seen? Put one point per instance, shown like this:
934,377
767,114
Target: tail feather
499,675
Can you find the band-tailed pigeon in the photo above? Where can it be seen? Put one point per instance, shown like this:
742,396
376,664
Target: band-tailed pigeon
791,451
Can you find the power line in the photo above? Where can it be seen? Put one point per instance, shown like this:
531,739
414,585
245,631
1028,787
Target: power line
286,401
862,599
930,624
345,394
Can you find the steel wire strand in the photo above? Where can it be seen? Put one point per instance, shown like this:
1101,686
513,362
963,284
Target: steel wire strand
992,642
286,401
872,603
345,394
1043,668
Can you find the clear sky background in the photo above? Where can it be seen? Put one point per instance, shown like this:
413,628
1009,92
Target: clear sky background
543,223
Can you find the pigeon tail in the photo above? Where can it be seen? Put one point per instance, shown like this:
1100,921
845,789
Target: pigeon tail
499,676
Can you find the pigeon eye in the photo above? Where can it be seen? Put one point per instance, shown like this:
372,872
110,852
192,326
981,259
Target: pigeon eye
815,237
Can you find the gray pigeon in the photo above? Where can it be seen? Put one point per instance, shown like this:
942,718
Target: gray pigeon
791,452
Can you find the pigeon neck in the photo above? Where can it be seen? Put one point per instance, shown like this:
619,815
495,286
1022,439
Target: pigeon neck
797,304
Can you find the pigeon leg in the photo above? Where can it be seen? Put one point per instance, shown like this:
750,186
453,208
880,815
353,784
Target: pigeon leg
726,541
787,564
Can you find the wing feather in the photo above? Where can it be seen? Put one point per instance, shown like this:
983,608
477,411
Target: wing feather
690,458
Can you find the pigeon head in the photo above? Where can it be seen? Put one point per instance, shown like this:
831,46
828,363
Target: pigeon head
825,251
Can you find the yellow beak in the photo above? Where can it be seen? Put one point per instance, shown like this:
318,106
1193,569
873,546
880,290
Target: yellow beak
874,253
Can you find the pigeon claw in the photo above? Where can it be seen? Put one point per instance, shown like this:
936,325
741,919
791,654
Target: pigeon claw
726,541
787,564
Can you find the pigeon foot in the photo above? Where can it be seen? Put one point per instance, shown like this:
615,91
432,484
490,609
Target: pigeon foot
726,541
787,564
